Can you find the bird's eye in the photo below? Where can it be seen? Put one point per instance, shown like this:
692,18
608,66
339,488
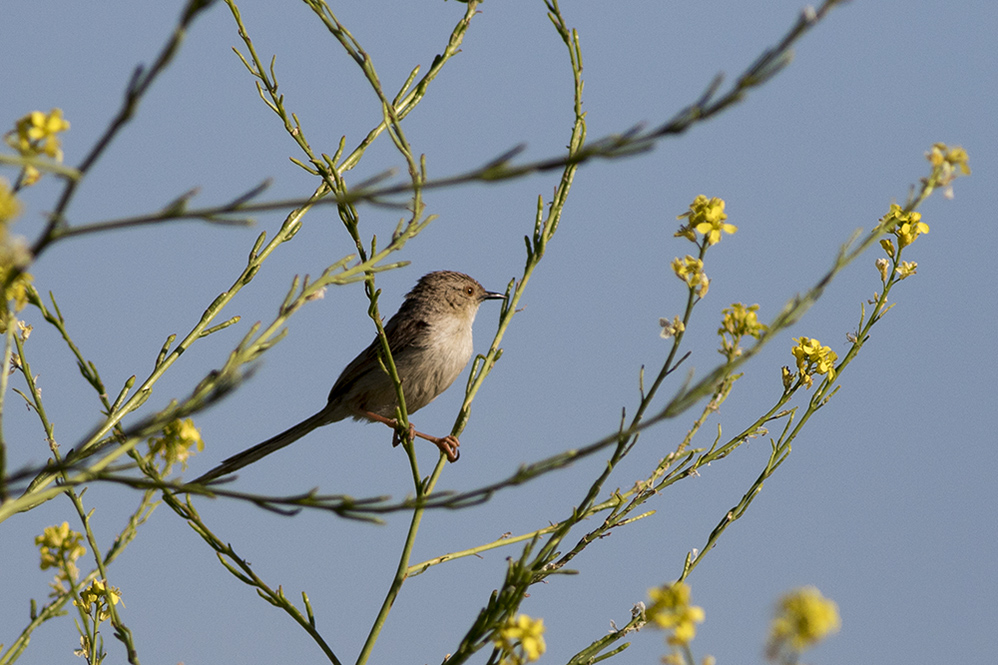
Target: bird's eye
470,291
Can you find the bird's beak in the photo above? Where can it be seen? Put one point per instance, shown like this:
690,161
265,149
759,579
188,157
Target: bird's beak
493,295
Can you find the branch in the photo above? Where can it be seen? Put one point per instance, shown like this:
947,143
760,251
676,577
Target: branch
142,80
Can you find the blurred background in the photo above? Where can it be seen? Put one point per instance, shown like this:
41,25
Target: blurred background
885,502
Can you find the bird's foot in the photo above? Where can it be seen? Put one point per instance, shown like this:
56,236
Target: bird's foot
448,445
397,434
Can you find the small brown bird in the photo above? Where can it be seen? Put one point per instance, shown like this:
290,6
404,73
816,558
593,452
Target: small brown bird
430,341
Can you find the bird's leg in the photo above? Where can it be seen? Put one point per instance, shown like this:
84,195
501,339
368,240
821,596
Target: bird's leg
448,445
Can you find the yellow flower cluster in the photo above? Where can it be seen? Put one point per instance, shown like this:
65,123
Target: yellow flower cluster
671,609
956,157
947,164
13,251
94,599
521,640
32,136
706,217
14,255
739,321
37,134
60,547
690,270
813,358
17,291
180,440
906,227
803,618
10,207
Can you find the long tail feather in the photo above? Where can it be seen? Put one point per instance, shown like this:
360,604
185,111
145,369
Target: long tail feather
261,450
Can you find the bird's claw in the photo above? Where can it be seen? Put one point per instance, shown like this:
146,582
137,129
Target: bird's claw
397,438
448,446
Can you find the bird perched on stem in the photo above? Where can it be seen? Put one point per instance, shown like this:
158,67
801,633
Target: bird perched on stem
430,341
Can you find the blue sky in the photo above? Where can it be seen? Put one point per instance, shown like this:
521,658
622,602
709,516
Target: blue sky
885,503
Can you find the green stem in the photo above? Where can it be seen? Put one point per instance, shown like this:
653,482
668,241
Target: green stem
402,571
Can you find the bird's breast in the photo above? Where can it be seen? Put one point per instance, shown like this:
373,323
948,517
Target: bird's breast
431,367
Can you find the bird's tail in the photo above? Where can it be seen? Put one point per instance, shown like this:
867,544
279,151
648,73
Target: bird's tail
261,450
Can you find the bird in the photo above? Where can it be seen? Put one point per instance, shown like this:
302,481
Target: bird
431,343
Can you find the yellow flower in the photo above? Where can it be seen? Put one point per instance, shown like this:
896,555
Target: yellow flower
739,321
10,207
956,157
521,640
687,266
947,164
671,608
959,158
803,618
690,270
180,440
906,226
35,134
906,269
60,547
29,176
813,358
46,126
14,256
706,216
187,433
712,230
94,599
93,594
18,291
911,228
671,328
